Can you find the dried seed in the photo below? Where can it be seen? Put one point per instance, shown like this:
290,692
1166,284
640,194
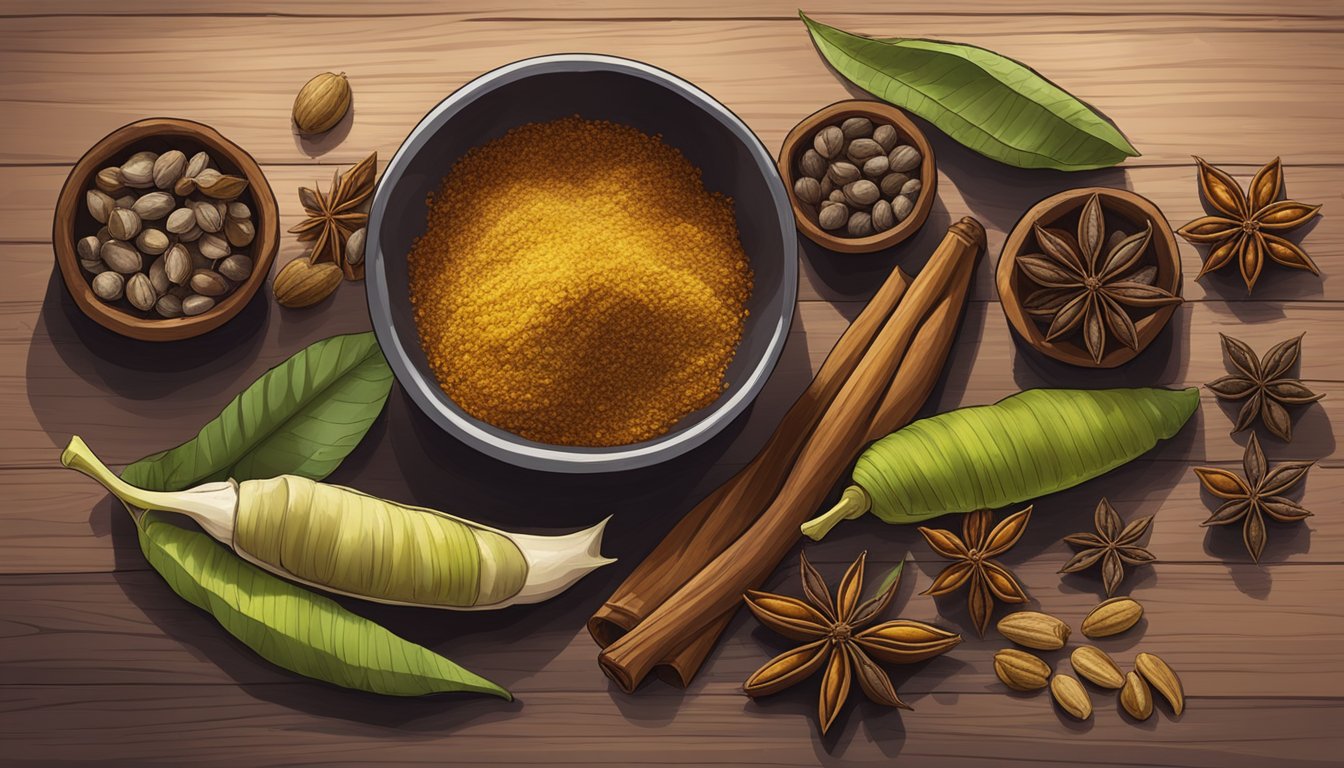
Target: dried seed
842,173
158,276
1112,617
912,188
236,267
154,205
833,216
100,205
213,247
191,235
302,283
103,235
904,158
209,283
861,193
1034,630
140,292
125,201
892,183
108,286
836,196
184,186
138,171
808,190
239,232
208,217
1071,696
321,103
152,242
829,141
109,181
195,305
168,168
87,247
198,163
1162,678
812,164
902,207
221,187
856,128
168,306
1136,698
876,167
177,264
1020,670
1094,665
123,223
883,217
181,220
120,257
886,136
238,210
860,150
860,224
354,247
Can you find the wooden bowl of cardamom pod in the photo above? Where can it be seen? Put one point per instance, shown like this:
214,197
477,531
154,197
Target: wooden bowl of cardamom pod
1090,276
229,269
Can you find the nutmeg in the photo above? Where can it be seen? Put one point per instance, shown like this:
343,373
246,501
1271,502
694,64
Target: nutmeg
828,142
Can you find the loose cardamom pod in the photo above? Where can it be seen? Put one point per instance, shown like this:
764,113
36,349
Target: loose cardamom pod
1163,679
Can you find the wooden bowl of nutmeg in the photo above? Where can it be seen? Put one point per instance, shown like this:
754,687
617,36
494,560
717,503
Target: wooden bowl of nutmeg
165,230
860,175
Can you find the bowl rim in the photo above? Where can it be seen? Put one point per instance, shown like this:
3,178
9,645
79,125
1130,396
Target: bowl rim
1061,205
512,448
796,141
267,237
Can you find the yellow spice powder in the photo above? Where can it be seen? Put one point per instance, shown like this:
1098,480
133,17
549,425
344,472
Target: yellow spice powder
576,284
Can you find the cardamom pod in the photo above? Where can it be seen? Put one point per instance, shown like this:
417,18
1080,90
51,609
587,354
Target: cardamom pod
213,247
138,171
1093,664
108,285
177,264
152,242
140,292
123,223
1136,698
239,232
209,283
100,205
1112,617
236,267
1162,678
154,206
196,304
221,186
180,220
109,181
1034,630
120,257
321,103
168,168
1020,670
207,216
302,283
1071,696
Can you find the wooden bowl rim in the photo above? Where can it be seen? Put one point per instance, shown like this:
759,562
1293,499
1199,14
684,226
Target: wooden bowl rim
884,112
1058,206
263,250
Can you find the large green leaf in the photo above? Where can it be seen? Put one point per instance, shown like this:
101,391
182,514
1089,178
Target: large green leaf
302,417
998,107
294,628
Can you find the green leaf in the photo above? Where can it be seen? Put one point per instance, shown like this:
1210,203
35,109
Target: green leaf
294,628
994,105
892,576
302,417
1025,446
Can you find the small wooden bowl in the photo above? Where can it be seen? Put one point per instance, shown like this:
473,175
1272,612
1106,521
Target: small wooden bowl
1062,211
799,141
73,221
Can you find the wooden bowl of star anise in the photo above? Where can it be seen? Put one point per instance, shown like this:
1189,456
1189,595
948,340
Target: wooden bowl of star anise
1090,276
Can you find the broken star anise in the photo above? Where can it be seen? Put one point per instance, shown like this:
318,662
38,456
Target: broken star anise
1242,231
974,566
334,215
1114,545
1256,494
1088,286
1264,383
834,636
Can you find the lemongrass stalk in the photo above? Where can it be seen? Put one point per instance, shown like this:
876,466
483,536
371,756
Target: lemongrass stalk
347,542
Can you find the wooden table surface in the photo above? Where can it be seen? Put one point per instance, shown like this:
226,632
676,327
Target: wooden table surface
100,661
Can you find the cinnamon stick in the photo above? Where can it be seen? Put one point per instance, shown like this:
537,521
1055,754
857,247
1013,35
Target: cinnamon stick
721,517
699,604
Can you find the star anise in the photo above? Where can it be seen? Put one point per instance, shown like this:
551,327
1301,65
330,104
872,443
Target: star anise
1114,545
1242,232
334,215
1084,285
1256,494
1264,383
974,566
834,637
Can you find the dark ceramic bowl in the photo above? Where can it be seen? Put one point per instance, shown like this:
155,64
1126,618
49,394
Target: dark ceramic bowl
733,162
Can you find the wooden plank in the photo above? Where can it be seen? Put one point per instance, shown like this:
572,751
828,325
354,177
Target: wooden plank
265,726
26,194
1176,87
130,629
631,10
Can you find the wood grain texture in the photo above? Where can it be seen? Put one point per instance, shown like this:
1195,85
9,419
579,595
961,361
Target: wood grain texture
99,661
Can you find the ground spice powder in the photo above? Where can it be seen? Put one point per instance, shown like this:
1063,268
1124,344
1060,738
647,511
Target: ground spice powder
577,285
